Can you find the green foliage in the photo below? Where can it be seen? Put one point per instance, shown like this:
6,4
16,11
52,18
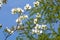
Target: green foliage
43,37
50,12
59,30
57,38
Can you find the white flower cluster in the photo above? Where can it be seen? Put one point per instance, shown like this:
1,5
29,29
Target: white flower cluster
36,4
38,15
27,7
17,10
38,29
21,18
9,31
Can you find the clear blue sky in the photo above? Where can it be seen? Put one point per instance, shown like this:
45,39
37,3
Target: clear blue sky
7,19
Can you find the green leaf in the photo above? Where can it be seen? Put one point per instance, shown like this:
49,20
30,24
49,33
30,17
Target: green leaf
59,29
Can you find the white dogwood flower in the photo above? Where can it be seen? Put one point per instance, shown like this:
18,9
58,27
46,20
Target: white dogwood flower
18,20
41,31
36,4
37,26
11,32
14,10
33,31
21,17
25,16
35,21
36,30
44,27
27,7
8,30
38,15
19,10
18,27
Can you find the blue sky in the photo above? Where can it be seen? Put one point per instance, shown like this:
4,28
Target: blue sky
7,19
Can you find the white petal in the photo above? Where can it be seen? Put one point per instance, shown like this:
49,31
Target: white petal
39,26
27,7
41,31
13,11
44,25
11,32
18,20
33,30
20,10
26,16
8,29
36,30
36,3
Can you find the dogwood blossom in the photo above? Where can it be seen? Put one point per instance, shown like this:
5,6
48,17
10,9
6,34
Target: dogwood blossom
18,27
36,4
21,17
34,31
44,27
19,10
14,10
25,16
38,15
9,31
38,26
41,31
35,21
38,29
27,7
18,20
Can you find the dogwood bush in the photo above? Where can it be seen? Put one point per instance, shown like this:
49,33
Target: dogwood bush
42,13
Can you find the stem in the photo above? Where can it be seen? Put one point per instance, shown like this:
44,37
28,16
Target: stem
7,36
14,30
